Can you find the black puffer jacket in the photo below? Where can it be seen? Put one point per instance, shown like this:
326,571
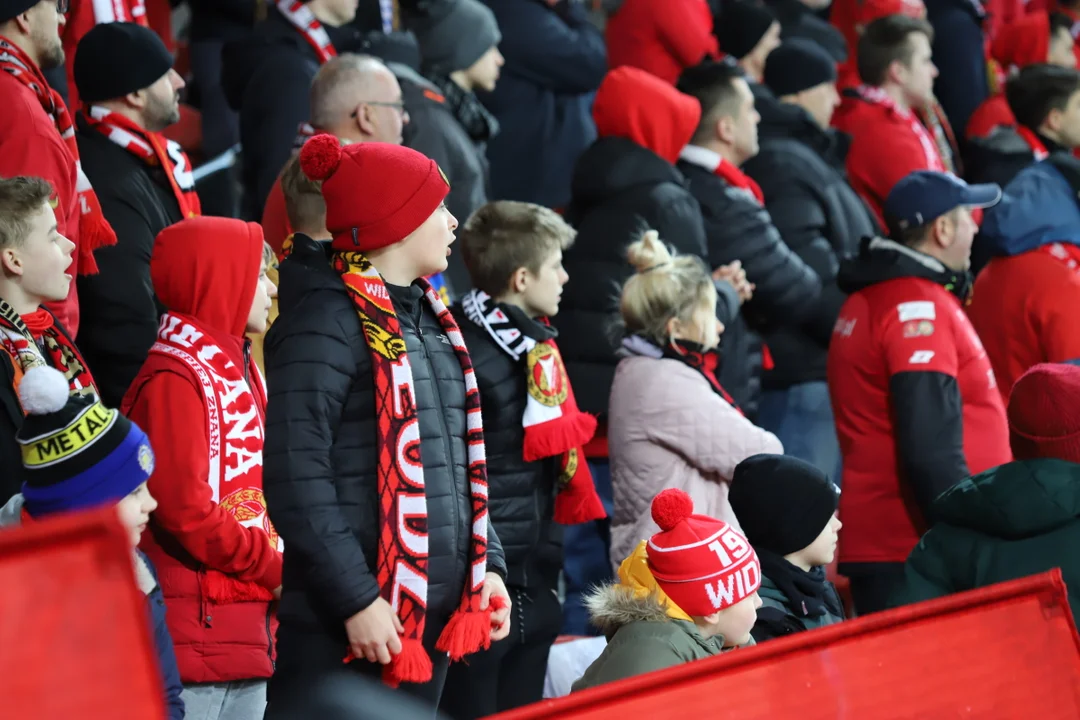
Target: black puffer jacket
798,20
800,169
321,459
119,309
522,493
620,189
267,79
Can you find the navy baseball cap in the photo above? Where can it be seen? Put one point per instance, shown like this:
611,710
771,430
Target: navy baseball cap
925,195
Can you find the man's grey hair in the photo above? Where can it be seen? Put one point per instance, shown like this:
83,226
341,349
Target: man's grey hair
340,85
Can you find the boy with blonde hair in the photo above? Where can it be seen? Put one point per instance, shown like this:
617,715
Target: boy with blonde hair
537,473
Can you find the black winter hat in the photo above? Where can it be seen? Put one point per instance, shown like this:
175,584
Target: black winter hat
797,65
781,502
11,8
741,26
115,59
454,36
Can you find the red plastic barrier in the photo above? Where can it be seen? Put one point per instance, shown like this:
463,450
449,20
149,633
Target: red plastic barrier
75,637
1009,651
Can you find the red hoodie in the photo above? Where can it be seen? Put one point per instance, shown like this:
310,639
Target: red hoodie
640,107
662,37
201,401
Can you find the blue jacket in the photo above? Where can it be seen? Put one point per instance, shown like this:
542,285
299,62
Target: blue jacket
555,60
1039,207
170,674
961,85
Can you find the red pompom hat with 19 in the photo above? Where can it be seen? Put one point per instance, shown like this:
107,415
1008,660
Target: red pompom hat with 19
702,564
376,193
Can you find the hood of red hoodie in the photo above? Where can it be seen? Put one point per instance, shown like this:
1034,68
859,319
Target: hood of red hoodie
207,268
639,107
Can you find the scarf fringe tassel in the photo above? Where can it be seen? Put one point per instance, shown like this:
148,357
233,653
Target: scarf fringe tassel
224,590
411,665
578,503
469,629
549,439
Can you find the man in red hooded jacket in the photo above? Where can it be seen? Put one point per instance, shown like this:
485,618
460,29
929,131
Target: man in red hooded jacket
37,137
218,556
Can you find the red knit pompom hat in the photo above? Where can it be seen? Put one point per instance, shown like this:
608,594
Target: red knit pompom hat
376,193
703,565
1044,413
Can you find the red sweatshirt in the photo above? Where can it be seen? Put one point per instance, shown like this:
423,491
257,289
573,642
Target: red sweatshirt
662,37
215,551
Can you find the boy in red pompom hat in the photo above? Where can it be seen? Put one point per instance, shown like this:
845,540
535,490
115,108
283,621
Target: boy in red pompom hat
689,593
375,470
537,472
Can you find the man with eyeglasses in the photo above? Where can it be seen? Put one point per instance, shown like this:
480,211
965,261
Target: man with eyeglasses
355,98
37,135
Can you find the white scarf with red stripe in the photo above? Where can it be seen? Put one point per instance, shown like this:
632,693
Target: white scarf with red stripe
931,155
305,22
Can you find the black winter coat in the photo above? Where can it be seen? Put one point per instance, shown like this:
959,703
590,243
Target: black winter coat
800,169
797,20
522,494
119,310
620,189
267,79
321,453
555,61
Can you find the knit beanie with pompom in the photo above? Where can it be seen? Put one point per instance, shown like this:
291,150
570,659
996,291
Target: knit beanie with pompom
1044,413
703,565
376,194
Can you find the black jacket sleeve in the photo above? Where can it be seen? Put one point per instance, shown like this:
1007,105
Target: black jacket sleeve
680,225
496,561
310,368
555,48
727,302
961,85
121,320
11,417
786,289
929,426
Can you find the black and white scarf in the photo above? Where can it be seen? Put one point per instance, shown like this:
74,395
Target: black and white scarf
479,124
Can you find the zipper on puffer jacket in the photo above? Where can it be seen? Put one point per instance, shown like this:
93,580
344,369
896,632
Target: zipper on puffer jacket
270,637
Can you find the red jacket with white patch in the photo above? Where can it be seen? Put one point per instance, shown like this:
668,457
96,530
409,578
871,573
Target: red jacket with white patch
916,404
217,555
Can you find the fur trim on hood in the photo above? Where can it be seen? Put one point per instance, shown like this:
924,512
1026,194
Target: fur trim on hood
613,606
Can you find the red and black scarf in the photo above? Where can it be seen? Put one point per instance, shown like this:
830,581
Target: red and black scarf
300,17
706,362
35,339
152,148
554,427
1038,147
737,178
401,566
94,230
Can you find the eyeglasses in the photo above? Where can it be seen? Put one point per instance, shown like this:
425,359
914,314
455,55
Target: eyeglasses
399,106
62,6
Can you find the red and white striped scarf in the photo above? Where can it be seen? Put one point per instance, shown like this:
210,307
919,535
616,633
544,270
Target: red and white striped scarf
107,11
931,154
401,566
154,149
305,22
94,230
235,405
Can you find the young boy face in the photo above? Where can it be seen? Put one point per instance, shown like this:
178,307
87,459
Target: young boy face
429,245
260,304
736,622
42,259
823,549
135,511
543,289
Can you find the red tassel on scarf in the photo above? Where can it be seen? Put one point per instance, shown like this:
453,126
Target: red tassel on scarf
469,629
411,665
223,589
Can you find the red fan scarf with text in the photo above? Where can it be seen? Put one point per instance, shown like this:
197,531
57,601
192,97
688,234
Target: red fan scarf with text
152,148
554,427
931,155
401,565
235,410
35,339
94,230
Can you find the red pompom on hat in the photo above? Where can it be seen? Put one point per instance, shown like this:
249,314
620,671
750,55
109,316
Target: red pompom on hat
1044,413
702,564
376,194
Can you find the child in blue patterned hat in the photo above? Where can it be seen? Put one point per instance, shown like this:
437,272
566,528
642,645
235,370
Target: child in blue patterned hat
78,455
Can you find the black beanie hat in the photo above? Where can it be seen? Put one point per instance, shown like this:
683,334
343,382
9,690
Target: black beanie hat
782,503
456,35
797,65
115,59
741,27
10,8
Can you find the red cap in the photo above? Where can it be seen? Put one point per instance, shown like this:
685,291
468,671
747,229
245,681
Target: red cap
868,11
704,565
1023,41
376,193
1044,413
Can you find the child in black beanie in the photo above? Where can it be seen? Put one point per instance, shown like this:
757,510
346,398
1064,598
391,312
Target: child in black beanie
787,509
